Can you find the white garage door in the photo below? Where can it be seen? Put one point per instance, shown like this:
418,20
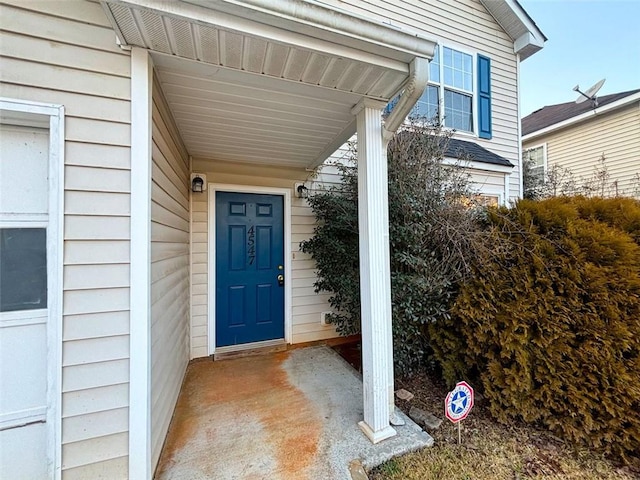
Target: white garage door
24,158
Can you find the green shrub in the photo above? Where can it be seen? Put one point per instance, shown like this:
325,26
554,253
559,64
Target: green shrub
550,324
433,236
334,247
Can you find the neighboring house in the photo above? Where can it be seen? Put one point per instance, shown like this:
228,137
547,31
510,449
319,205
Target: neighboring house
587,139
115,273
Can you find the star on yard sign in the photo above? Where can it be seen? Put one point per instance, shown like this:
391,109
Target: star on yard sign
459,402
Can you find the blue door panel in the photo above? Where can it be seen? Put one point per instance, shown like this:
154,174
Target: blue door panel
237,297
249,258
264,248
237,253
264,293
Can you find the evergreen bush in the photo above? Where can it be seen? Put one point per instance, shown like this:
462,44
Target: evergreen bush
550,323
433,236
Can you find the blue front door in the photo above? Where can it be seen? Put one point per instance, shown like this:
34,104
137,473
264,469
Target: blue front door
249,268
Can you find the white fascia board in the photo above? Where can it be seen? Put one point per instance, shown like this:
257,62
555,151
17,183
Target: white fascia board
327,18
485,167
584,116
313,26
527,37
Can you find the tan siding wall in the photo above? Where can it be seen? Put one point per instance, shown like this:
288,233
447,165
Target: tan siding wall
306,304
65,53
487,183
169,270
465,24
580,147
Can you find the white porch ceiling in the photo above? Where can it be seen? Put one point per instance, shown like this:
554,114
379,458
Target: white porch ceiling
266,81
184,38
237,116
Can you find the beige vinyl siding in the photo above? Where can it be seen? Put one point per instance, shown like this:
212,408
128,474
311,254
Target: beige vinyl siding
169,269
65,53
467,25
615,134
487,183
306,304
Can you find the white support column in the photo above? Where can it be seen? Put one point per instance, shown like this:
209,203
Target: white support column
375,276
140,290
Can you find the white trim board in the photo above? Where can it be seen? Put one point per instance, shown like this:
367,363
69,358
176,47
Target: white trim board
475,165
51,116
584,116
211,266
140,277
519,128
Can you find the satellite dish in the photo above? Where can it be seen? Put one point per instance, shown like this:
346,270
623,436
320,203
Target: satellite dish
590,94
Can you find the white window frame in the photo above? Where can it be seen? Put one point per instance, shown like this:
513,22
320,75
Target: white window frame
50,116
544,156
484,190
441,87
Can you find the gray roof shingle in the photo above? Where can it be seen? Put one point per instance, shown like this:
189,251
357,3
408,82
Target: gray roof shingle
552,114
462,149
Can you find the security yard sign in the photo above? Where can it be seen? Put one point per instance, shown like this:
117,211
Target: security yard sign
458,403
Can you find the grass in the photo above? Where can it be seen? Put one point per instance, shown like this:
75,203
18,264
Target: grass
490,450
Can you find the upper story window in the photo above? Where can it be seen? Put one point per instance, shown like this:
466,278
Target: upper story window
536,157
450,85
459,92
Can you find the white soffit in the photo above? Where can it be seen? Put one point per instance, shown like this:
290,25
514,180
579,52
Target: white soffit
236,116
266,81
207,33
516,22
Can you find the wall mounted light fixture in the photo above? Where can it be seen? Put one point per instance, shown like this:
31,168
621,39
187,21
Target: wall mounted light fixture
301,190
198,182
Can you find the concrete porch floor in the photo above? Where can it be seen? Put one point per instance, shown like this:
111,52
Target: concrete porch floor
287,415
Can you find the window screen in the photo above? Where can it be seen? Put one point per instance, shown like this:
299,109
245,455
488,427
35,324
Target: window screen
23,269
537,164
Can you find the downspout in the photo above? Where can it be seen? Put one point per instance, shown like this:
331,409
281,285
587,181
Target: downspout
519,116
418,78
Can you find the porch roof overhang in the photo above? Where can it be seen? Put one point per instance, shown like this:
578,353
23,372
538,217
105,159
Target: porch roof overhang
267,81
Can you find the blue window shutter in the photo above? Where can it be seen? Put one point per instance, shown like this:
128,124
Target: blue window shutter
392,103
484,97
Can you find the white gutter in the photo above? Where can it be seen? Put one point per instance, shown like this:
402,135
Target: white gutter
475,165
290,21
418,78
584,116
326,17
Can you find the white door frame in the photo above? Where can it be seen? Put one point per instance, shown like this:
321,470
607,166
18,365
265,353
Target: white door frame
286,194
51,117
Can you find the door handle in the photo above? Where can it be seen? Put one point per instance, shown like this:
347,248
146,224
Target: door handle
280,280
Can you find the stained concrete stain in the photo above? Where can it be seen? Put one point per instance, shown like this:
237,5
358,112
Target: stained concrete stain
241,419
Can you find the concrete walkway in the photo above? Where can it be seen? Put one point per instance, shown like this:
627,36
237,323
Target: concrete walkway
288,415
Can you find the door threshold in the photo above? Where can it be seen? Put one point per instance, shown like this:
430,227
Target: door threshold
250,349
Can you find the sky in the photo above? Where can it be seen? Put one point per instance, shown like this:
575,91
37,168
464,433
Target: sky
587,40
